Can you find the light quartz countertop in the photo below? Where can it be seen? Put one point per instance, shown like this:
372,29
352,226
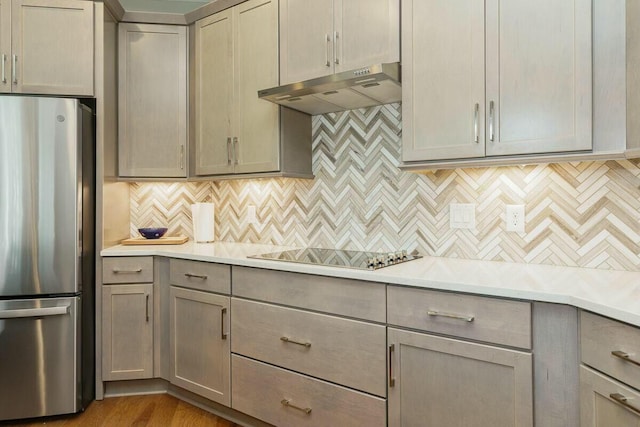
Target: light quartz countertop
615,294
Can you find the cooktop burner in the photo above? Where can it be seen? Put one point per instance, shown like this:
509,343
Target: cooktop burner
340,258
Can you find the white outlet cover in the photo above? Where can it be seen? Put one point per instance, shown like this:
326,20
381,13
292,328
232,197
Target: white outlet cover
251,214
462,215
515,218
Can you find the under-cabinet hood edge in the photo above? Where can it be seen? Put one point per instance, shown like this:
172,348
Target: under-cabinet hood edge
374,85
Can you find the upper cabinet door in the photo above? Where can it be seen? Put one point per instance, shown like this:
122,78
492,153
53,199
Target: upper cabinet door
443,79
214,81
5,46
306,39
52,46
257,148
152,100
366,32
538,76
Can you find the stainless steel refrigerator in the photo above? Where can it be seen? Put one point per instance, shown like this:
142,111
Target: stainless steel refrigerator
47,256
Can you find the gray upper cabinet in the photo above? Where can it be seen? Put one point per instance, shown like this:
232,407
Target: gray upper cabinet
322,37
152,97
495,78
47,47
235,55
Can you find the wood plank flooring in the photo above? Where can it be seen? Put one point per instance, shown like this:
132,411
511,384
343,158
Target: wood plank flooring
159,410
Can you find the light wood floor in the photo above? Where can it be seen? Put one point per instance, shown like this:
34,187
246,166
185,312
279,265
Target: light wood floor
159,410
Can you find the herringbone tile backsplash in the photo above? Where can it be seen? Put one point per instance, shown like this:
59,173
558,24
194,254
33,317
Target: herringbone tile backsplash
577,214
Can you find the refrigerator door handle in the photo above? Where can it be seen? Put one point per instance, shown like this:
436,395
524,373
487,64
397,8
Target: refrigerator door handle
33,312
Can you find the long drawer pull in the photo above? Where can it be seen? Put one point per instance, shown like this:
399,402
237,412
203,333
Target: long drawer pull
287,402
451,315
118,271
392,380
196,276
147,309
223,334
625,356
622,400
289,340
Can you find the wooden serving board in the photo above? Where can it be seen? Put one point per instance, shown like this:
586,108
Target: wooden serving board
172,240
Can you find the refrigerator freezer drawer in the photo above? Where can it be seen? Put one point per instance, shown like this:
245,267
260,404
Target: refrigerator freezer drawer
39,357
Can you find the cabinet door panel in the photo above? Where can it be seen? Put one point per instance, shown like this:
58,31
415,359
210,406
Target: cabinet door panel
127,332
214,94
5,45
306,39
152,89
200,352
597,406
256,65
446,382
359,45
53,44
442,79
539,76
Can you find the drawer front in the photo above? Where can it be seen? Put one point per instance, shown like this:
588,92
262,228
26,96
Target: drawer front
204,276
352,298
611,347
284,398
605,402
127,269
478,318
347,352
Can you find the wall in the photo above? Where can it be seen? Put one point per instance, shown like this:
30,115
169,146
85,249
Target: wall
577,214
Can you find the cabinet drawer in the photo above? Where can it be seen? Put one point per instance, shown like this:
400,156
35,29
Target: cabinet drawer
604,344
352,298
284,398
127,270
605,402
347,352
204,276
478,318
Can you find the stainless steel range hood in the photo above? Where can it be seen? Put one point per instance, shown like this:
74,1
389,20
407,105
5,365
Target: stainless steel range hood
375,85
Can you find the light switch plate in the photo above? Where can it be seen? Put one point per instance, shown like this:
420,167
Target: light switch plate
251,215
462,215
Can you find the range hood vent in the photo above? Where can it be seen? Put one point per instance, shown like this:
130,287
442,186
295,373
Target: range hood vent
375,85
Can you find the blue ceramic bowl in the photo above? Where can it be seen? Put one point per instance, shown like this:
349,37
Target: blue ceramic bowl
152,232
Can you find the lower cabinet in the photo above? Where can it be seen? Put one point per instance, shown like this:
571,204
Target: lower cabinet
199,343
285,398
605,402
127,334
436,381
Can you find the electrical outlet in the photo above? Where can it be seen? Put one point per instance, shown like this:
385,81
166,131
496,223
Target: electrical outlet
251,215
515,218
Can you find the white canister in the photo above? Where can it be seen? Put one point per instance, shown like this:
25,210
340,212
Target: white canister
203,219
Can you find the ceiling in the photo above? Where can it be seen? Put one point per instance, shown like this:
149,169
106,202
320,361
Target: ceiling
162,6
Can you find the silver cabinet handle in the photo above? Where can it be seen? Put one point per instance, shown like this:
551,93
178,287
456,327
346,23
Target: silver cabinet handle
476,112
14,73
236,154
336,36
223,335
491,106
229,151
289,340
182,156
625,356
118,271
287,402
33,312
4,74
392,380
195,276
623,400
147,309
451,315
327,39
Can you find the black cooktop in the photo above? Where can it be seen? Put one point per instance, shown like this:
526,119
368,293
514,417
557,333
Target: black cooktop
340,258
